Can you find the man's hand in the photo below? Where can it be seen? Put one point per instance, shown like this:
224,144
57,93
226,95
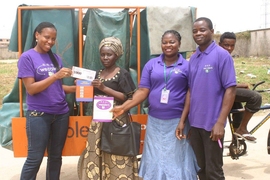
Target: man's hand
217,131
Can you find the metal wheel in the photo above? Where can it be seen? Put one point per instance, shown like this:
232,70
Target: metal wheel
80,164
237,148
268,142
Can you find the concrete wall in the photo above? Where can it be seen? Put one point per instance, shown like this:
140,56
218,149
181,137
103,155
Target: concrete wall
260,43
251,43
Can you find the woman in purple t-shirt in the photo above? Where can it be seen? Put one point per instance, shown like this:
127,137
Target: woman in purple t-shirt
164,82
47,113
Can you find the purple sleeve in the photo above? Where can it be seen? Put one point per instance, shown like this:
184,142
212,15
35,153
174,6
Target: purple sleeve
25,67
227,72
145,81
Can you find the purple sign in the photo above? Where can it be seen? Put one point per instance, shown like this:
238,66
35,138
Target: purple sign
104,105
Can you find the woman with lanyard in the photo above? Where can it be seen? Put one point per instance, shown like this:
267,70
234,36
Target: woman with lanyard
164,82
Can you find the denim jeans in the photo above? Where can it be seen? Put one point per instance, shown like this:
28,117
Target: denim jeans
44,131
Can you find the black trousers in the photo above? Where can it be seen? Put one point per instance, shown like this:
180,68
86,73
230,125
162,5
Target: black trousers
252,100
237,117
208,153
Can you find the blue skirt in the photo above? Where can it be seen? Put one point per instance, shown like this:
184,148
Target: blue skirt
165,157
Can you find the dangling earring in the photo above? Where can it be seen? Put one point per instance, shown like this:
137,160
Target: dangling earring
36,40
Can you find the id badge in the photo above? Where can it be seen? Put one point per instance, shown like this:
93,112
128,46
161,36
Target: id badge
164,96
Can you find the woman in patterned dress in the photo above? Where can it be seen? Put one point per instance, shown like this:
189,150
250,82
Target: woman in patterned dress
116,82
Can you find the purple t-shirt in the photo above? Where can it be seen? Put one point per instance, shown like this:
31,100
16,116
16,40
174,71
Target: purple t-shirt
39,66
210,73
153,78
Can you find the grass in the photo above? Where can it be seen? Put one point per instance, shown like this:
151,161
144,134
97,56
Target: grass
8,74
257,66
253,70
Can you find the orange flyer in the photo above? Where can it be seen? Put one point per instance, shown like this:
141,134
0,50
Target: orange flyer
84,91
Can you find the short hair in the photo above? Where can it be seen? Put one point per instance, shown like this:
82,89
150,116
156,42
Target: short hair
227,35
207,20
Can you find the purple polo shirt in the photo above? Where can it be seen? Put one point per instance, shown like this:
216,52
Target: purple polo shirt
39,66
153,78
210,73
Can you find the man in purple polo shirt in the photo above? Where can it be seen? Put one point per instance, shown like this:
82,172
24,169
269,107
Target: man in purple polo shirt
209,100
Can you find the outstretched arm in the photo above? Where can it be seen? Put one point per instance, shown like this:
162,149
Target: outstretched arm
139,96
33,87
69,89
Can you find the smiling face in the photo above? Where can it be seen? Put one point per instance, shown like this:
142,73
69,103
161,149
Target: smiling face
202,34
45,39
107,56
170,45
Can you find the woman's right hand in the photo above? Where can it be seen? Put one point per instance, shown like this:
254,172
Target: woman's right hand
63,73
179,132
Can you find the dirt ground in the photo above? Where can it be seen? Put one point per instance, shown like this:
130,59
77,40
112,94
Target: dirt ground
255,165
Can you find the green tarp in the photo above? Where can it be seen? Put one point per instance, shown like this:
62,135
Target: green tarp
66,22
97,24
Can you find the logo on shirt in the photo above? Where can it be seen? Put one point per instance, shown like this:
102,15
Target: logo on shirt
46,69
207,68
177,70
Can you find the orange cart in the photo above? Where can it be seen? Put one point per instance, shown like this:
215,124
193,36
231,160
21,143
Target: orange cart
78,125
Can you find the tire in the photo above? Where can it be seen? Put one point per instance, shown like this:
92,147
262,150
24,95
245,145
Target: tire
268,142
80,165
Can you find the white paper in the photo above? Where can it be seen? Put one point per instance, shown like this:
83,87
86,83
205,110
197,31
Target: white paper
102,107
82,73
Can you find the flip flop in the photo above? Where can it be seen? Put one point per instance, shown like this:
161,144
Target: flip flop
246,137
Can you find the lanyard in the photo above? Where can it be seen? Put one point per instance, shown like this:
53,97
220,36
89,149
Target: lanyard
166,78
